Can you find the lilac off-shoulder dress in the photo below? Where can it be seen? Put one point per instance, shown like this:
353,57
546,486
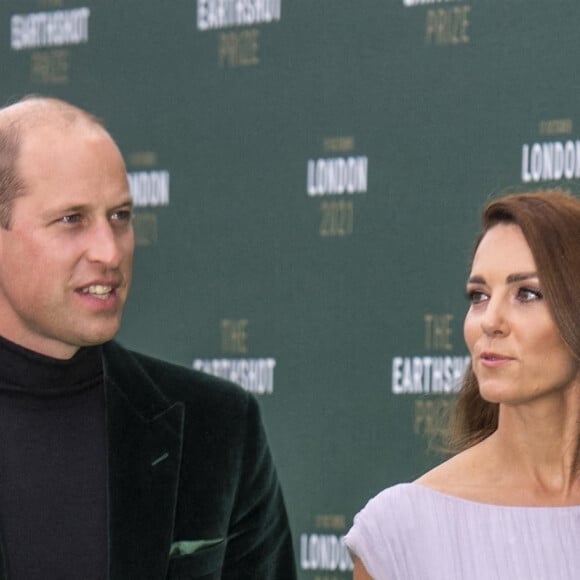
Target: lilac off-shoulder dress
411,532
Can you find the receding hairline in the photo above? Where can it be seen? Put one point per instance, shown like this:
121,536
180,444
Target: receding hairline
36,111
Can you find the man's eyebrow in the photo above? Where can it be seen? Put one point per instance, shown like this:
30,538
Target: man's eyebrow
126,198
126,201
65,209
511,279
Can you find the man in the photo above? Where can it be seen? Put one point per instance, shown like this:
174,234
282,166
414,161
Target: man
113,465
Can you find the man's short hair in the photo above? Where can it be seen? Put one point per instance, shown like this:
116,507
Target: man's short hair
11,185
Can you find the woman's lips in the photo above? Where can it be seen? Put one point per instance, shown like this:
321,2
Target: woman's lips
493,359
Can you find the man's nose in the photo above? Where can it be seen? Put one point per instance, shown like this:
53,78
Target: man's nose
103,245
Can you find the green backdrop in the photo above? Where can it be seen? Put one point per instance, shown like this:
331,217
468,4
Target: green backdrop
308,176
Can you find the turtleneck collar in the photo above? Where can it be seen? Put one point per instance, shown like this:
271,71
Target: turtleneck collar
24,370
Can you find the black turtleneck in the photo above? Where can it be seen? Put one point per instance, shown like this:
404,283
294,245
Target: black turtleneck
53,467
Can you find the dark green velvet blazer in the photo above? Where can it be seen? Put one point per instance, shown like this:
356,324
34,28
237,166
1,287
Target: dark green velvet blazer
193,492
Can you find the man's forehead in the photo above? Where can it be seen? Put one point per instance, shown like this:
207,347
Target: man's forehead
66,132
45,118
52,152
53,135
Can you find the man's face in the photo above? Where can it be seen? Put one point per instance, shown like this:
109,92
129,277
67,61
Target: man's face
65,262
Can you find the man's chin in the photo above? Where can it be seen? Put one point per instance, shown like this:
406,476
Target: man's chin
98,336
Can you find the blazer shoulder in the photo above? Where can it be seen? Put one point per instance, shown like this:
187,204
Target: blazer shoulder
180,383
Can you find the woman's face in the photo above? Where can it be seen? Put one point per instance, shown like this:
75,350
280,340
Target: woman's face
517,352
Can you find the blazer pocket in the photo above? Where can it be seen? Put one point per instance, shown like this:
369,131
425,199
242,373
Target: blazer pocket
205,563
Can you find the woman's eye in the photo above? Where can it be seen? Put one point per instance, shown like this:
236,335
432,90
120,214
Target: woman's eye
528,295
476,296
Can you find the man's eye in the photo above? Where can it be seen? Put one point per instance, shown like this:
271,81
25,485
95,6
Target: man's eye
71,219
123,215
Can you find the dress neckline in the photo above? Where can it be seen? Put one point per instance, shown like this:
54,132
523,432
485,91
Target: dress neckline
458,499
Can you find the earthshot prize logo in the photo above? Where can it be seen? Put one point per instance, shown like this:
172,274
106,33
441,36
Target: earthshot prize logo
49,29
431,379
324,550
150,189
411,3
447,22
48,35
255,375
215,14
241,47
336,179
556,157
428,374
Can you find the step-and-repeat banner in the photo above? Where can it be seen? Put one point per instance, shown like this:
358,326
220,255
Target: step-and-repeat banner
307,176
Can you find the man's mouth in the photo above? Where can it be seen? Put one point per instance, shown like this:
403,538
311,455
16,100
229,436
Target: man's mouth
98,291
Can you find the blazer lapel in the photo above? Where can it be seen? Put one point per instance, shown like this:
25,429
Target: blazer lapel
144,449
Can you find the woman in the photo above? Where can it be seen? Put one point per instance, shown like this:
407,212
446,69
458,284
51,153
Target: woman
507,506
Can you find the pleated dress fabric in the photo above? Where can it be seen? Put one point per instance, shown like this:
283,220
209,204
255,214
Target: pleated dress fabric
411,532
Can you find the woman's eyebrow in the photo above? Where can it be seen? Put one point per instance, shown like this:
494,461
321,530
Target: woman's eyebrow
511,279
520,277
